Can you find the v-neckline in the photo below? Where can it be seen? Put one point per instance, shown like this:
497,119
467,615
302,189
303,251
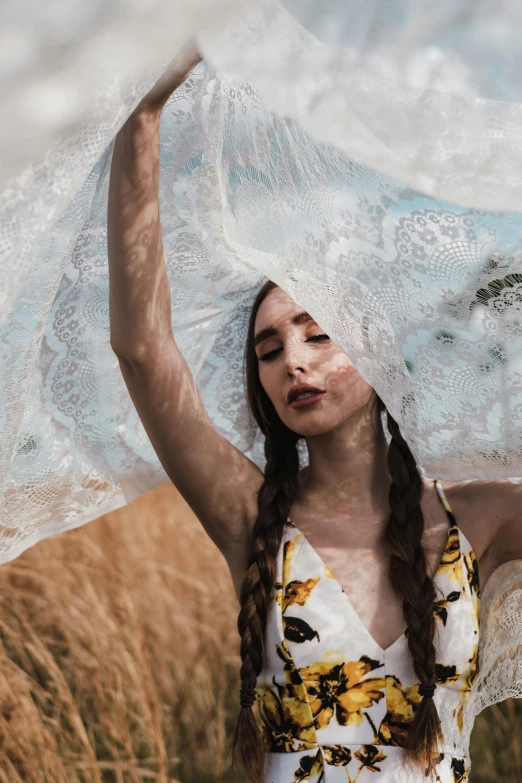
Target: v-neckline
383,650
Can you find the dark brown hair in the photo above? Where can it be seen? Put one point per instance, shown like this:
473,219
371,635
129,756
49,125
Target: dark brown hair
408,567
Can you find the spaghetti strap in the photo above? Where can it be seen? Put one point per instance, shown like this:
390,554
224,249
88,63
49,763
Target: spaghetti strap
303,687
444,501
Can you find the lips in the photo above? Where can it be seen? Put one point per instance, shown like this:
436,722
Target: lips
302,388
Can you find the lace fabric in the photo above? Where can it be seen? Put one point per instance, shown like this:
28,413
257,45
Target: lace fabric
420,98
423,294
500,652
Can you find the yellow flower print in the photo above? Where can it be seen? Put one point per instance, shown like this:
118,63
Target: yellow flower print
369,757
298,630
309,766
458,768
441,607
401,703
298,592
288,555
448,675
285,655
291,674
287,722
285,713
445,675
451,562
471,563
328,572
458,714
337,755
341,690
469,678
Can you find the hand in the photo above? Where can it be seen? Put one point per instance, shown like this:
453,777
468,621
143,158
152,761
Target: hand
177,71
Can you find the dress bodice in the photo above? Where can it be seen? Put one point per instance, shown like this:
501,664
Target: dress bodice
334,705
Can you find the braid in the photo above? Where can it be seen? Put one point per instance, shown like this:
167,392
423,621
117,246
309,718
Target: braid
275,498
411,581
408,570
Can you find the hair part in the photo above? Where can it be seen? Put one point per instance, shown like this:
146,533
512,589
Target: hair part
408,568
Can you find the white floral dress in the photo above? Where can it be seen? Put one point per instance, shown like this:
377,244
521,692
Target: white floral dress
335,706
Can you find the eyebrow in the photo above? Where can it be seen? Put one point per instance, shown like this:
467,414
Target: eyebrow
271,331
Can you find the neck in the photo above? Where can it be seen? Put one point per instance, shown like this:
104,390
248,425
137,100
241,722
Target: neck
347,468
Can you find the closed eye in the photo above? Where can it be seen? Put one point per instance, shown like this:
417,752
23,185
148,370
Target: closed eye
266,357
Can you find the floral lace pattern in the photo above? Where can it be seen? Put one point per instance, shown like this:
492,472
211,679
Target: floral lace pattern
330,697
423,295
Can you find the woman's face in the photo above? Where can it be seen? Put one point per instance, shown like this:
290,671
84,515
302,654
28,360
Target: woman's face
300,353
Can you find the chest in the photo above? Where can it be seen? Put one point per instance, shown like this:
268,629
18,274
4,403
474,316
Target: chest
363,574
359,562
322,627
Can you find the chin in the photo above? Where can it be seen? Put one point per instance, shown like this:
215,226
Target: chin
310,428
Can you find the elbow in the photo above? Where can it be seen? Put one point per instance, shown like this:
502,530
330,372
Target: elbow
138,354
128,355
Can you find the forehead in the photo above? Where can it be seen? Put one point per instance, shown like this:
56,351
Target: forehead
276,308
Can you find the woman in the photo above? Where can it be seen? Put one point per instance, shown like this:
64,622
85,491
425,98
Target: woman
358,579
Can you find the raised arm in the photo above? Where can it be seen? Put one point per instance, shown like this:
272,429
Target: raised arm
218,482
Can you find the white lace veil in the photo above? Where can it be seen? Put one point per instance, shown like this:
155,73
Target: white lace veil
356,153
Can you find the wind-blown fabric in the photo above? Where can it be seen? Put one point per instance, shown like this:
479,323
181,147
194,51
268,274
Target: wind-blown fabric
355,153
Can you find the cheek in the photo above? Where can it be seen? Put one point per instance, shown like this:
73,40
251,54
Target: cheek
337,370
344,371
342,378
267,378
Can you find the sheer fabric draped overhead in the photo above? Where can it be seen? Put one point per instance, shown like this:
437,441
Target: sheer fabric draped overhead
365,155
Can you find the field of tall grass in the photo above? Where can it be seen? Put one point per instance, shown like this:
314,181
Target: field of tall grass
119,658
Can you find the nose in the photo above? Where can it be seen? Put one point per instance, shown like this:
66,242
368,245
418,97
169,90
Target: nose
295,362
294,371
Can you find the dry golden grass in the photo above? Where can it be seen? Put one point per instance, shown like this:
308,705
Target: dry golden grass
119,652
118,658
